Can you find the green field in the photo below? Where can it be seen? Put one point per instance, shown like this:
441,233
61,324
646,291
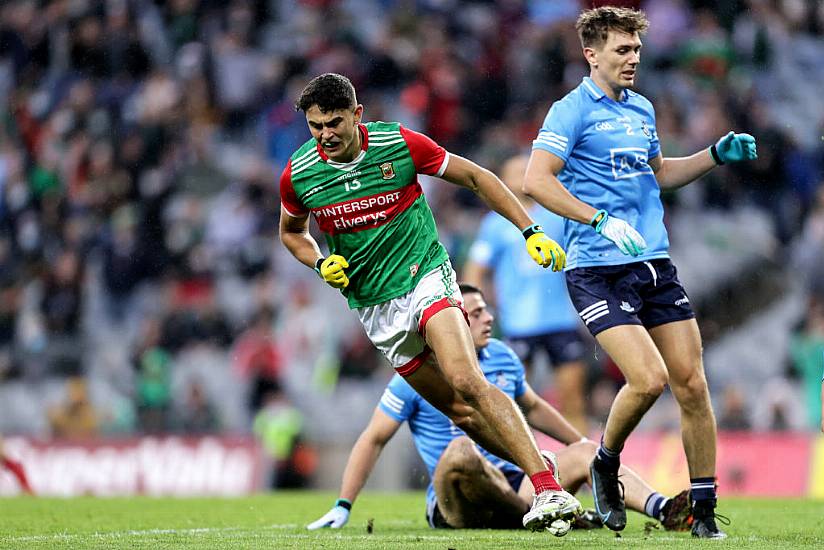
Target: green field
277,521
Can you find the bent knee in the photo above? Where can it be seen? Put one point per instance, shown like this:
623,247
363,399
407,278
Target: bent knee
693,389
584,450
462,457
650,386
472,388
655,389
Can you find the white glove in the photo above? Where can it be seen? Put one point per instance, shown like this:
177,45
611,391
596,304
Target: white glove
335,518
625,237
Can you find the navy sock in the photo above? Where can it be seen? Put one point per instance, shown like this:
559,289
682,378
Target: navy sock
607,457
655,503
702,489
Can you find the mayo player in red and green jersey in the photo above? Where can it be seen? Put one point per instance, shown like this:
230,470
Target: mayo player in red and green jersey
359,181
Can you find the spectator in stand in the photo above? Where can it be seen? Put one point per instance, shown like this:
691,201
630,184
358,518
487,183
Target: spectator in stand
198,415
152,362
734,413
76,417
61,308
256,357
279,424
807,353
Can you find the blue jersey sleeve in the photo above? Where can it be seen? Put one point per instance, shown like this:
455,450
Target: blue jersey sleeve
520,379
560,129
654,145
487,245
399,400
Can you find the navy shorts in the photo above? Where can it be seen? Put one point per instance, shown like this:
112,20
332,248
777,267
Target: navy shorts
562,347
641,293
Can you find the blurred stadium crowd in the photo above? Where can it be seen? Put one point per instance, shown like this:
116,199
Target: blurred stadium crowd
142,285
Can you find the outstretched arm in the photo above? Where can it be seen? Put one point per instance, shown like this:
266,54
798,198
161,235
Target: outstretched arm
365,453
499,198
544,417
361,461
673,173
489,188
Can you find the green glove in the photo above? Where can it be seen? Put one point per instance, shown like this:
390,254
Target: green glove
625,237
734,148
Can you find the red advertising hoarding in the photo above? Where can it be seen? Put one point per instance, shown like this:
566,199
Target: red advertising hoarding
751,464
179,466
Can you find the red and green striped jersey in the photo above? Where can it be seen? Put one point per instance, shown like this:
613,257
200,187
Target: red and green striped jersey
372,210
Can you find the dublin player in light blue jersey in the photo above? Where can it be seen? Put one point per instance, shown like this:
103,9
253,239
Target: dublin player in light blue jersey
533,307
597,162
471,488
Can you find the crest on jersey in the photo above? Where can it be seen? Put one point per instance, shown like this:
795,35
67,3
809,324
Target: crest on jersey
387,170
645,128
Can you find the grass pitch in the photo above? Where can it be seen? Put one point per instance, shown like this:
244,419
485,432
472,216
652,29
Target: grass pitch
277,521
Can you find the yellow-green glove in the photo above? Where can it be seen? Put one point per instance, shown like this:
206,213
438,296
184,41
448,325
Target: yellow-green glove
544,250
331,270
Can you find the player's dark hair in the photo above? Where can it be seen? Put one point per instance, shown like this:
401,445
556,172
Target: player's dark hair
467,288
593,25
329,91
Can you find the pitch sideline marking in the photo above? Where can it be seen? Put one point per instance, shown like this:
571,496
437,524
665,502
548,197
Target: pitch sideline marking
146,532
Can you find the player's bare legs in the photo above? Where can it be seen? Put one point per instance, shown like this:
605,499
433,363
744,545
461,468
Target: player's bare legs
455,385
634,351
482,410
570,385
680,345
472,493
573,465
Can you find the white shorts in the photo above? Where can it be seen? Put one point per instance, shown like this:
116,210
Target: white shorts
397,327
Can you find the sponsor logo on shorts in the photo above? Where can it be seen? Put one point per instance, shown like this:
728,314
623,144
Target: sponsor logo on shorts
626,307
682,301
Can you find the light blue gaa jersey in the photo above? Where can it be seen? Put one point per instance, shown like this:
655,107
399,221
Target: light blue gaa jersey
606,146
431,429
529,301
